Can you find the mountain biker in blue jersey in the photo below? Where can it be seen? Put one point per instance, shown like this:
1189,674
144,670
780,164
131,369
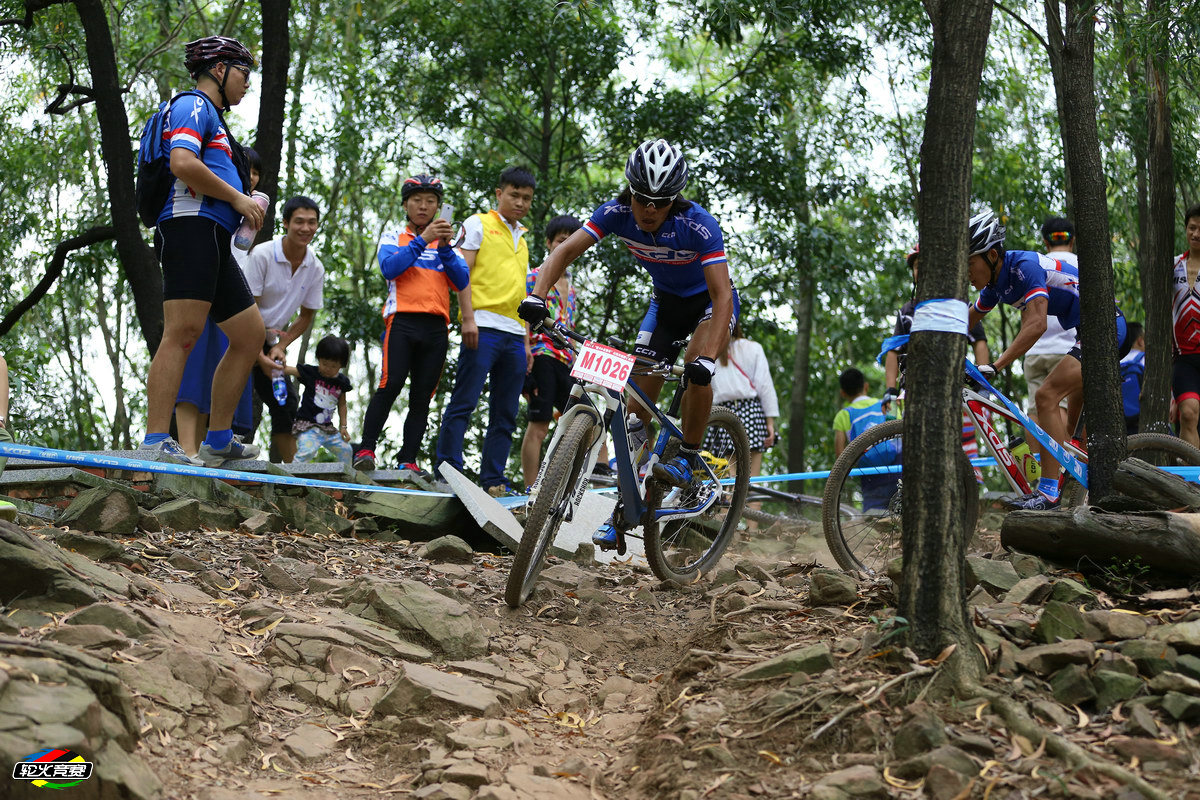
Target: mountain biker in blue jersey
1038,286
681,246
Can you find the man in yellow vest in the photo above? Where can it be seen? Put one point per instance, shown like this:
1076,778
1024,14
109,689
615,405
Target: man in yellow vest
493,245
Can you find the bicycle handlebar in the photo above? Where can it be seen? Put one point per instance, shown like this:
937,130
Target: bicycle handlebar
561,333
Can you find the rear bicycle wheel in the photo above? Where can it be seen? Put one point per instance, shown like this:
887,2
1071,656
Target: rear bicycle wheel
1157,449
564,466
681,549
862,508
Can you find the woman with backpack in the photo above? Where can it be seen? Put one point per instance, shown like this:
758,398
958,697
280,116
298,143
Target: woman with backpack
207,197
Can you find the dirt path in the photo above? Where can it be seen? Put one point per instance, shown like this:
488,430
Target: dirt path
292,666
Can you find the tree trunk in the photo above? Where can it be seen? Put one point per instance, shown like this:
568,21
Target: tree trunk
276,53
137,260
1055,56
1159,230
933,590
802,307
288,179
1075,44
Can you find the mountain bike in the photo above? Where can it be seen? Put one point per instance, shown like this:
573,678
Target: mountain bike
867,478
685,531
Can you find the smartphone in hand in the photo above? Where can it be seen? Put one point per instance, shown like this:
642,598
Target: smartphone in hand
447,212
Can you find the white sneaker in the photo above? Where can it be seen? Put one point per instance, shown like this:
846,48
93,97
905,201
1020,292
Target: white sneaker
170,448
234,451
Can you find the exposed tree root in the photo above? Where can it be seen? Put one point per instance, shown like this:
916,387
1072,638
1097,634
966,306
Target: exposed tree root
1018,721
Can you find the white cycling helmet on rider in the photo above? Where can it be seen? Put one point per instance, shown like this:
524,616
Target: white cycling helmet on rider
656,170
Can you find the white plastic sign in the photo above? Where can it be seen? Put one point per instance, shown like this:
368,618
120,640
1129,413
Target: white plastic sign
598,363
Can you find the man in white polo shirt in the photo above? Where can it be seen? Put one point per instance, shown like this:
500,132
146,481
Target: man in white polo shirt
285,277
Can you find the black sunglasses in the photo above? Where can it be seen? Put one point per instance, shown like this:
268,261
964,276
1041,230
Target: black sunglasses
242,68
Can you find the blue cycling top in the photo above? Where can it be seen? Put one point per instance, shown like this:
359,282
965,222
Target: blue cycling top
193,119
1026,275
676,254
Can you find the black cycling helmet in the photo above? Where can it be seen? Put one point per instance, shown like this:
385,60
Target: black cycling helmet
420,183
201,54
657,170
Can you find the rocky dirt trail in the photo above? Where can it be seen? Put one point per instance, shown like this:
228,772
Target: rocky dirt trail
216,665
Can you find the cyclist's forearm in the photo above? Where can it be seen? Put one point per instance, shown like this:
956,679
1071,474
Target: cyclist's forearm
559,259
1026,338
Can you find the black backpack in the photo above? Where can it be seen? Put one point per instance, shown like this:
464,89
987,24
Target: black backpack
154,176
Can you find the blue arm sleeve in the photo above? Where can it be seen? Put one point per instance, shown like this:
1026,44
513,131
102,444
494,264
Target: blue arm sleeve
456,267
394,260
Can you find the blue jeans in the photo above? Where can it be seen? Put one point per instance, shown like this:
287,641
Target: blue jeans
500,356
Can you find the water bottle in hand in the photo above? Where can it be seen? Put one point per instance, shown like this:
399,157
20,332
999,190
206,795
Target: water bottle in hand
244,237
279,386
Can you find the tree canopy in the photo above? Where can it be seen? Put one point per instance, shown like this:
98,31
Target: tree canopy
802,122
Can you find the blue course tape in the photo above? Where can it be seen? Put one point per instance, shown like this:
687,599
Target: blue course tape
166,468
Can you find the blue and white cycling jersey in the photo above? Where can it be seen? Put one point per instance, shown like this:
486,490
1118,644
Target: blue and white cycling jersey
675,255
194,118
1026,275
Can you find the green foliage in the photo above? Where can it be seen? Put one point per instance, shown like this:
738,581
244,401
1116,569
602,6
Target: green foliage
801,120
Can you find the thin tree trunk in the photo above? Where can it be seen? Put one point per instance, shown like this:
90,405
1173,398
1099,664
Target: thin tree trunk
1159,230
276,53
933,590
1055,56
137,260
802,308
112,348
1075,41
314,19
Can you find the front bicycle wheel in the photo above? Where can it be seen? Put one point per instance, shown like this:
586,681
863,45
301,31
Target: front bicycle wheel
862,506
565,464
679,550
1156,449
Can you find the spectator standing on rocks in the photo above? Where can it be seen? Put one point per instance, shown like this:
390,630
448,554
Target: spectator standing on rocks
287,280
494,248
207,200
421,269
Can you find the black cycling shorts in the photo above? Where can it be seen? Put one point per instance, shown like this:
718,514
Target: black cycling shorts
1185,377
671,319
198,265
552,381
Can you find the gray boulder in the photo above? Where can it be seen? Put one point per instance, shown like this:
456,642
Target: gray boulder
103,509
420,613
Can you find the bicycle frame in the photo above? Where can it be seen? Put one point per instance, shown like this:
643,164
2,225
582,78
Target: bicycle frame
975,403
608,408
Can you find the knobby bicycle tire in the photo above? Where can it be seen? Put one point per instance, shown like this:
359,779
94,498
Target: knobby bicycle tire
680,550
1159,449
868,537
562,471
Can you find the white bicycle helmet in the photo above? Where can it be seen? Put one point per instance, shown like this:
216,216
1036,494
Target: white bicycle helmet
986,233
656,169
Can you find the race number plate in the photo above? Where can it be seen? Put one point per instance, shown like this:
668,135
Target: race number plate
598,363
